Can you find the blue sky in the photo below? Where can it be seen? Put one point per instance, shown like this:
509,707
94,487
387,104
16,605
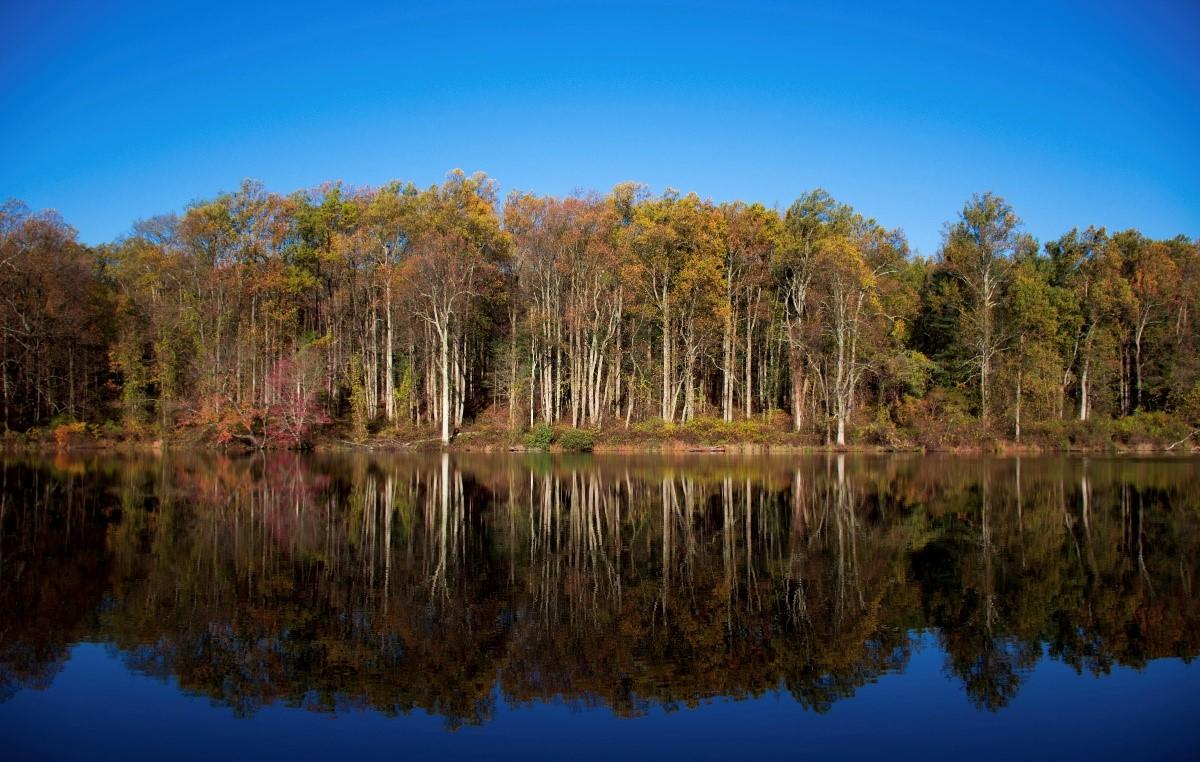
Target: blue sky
1079,113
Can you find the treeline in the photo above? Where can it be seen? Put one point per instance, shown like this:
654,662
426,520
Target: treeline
257,317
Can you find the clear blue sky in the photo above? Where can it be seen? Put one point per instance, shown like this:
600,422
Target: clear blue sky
1083,113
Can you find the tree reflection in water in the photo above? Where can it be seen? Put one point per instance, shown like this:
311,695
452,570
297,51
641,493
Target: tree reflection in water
448,583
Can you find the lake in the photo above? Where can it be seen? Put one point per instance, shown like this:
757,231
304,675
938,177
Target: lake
195,606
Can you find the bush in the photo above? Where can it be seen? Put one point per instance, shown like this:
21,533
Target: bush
540,437
67,434
707,430
1141,430
1189,408
1070,433
110,430
942,419
881,431
653,428
1150,429
754,430
1092,434
575,440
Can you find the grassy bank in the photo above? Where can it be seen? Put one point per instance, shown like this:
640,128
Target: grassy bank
1144,432
1141,432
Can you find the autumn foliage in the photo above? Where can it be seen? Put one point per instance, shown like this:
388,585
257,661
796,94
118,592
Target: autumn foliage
270,320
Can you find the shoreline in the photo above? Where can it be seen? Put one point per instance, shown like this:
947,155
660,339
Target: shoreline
656,447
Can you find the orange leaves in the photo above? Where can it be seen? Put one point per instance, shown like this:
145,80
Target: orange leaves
67,434
1154,273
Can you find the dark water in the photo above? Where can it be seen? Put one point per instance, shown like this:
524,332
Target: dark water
706,607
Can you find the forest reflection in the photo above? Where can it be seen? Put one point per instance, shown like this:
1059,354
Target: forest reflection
449,583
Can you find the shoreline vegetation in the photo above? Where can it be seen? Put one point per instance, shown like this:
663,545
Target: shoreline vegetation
1146,434
447,317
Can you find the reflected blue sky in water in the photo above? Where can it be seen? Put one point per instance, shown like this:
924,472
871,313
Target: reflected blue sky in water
917,713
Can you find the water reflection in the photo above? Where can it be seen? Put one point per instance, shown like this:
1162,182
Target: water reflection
449,583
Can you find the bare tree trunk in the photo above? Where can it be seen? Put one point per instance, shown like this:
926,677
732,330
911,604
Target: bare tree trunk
690,382
536,388
1083,390
668,409
748,392
1083,376
1017,414
390,368
445,390
460,386
727,366
839,386
984,369
797,383
1137,365
512,369
4,379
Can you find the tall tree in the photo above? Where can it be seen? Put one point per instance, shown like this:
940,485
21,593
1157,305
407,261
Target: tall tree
850,301
456,259
978,250
667,235
751,235
810,220
1030,309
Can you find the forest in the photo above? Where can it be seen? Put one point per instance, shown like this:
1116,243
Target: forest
449,314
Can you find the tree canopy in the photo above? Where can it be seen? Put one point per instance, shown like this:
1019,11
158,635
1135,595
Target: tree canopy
261,318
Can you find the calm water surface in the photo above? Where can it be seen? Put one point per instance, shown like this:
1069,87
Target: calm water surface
284,606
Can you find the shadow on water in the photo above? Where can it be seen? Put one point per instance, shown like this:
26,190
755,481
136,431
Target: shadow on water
448,583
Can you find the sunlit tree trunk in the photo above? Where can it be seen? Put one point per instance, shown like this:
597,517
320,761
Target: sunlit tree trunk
390,369
668,407
1017,411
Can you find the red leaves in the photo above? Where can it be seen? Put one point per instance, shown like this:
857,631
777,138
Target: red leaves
295,412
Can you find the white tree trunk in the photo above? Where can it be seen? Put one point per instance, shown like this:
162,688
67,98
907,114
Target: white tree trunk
445,390
1083,391
390,381
668,409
